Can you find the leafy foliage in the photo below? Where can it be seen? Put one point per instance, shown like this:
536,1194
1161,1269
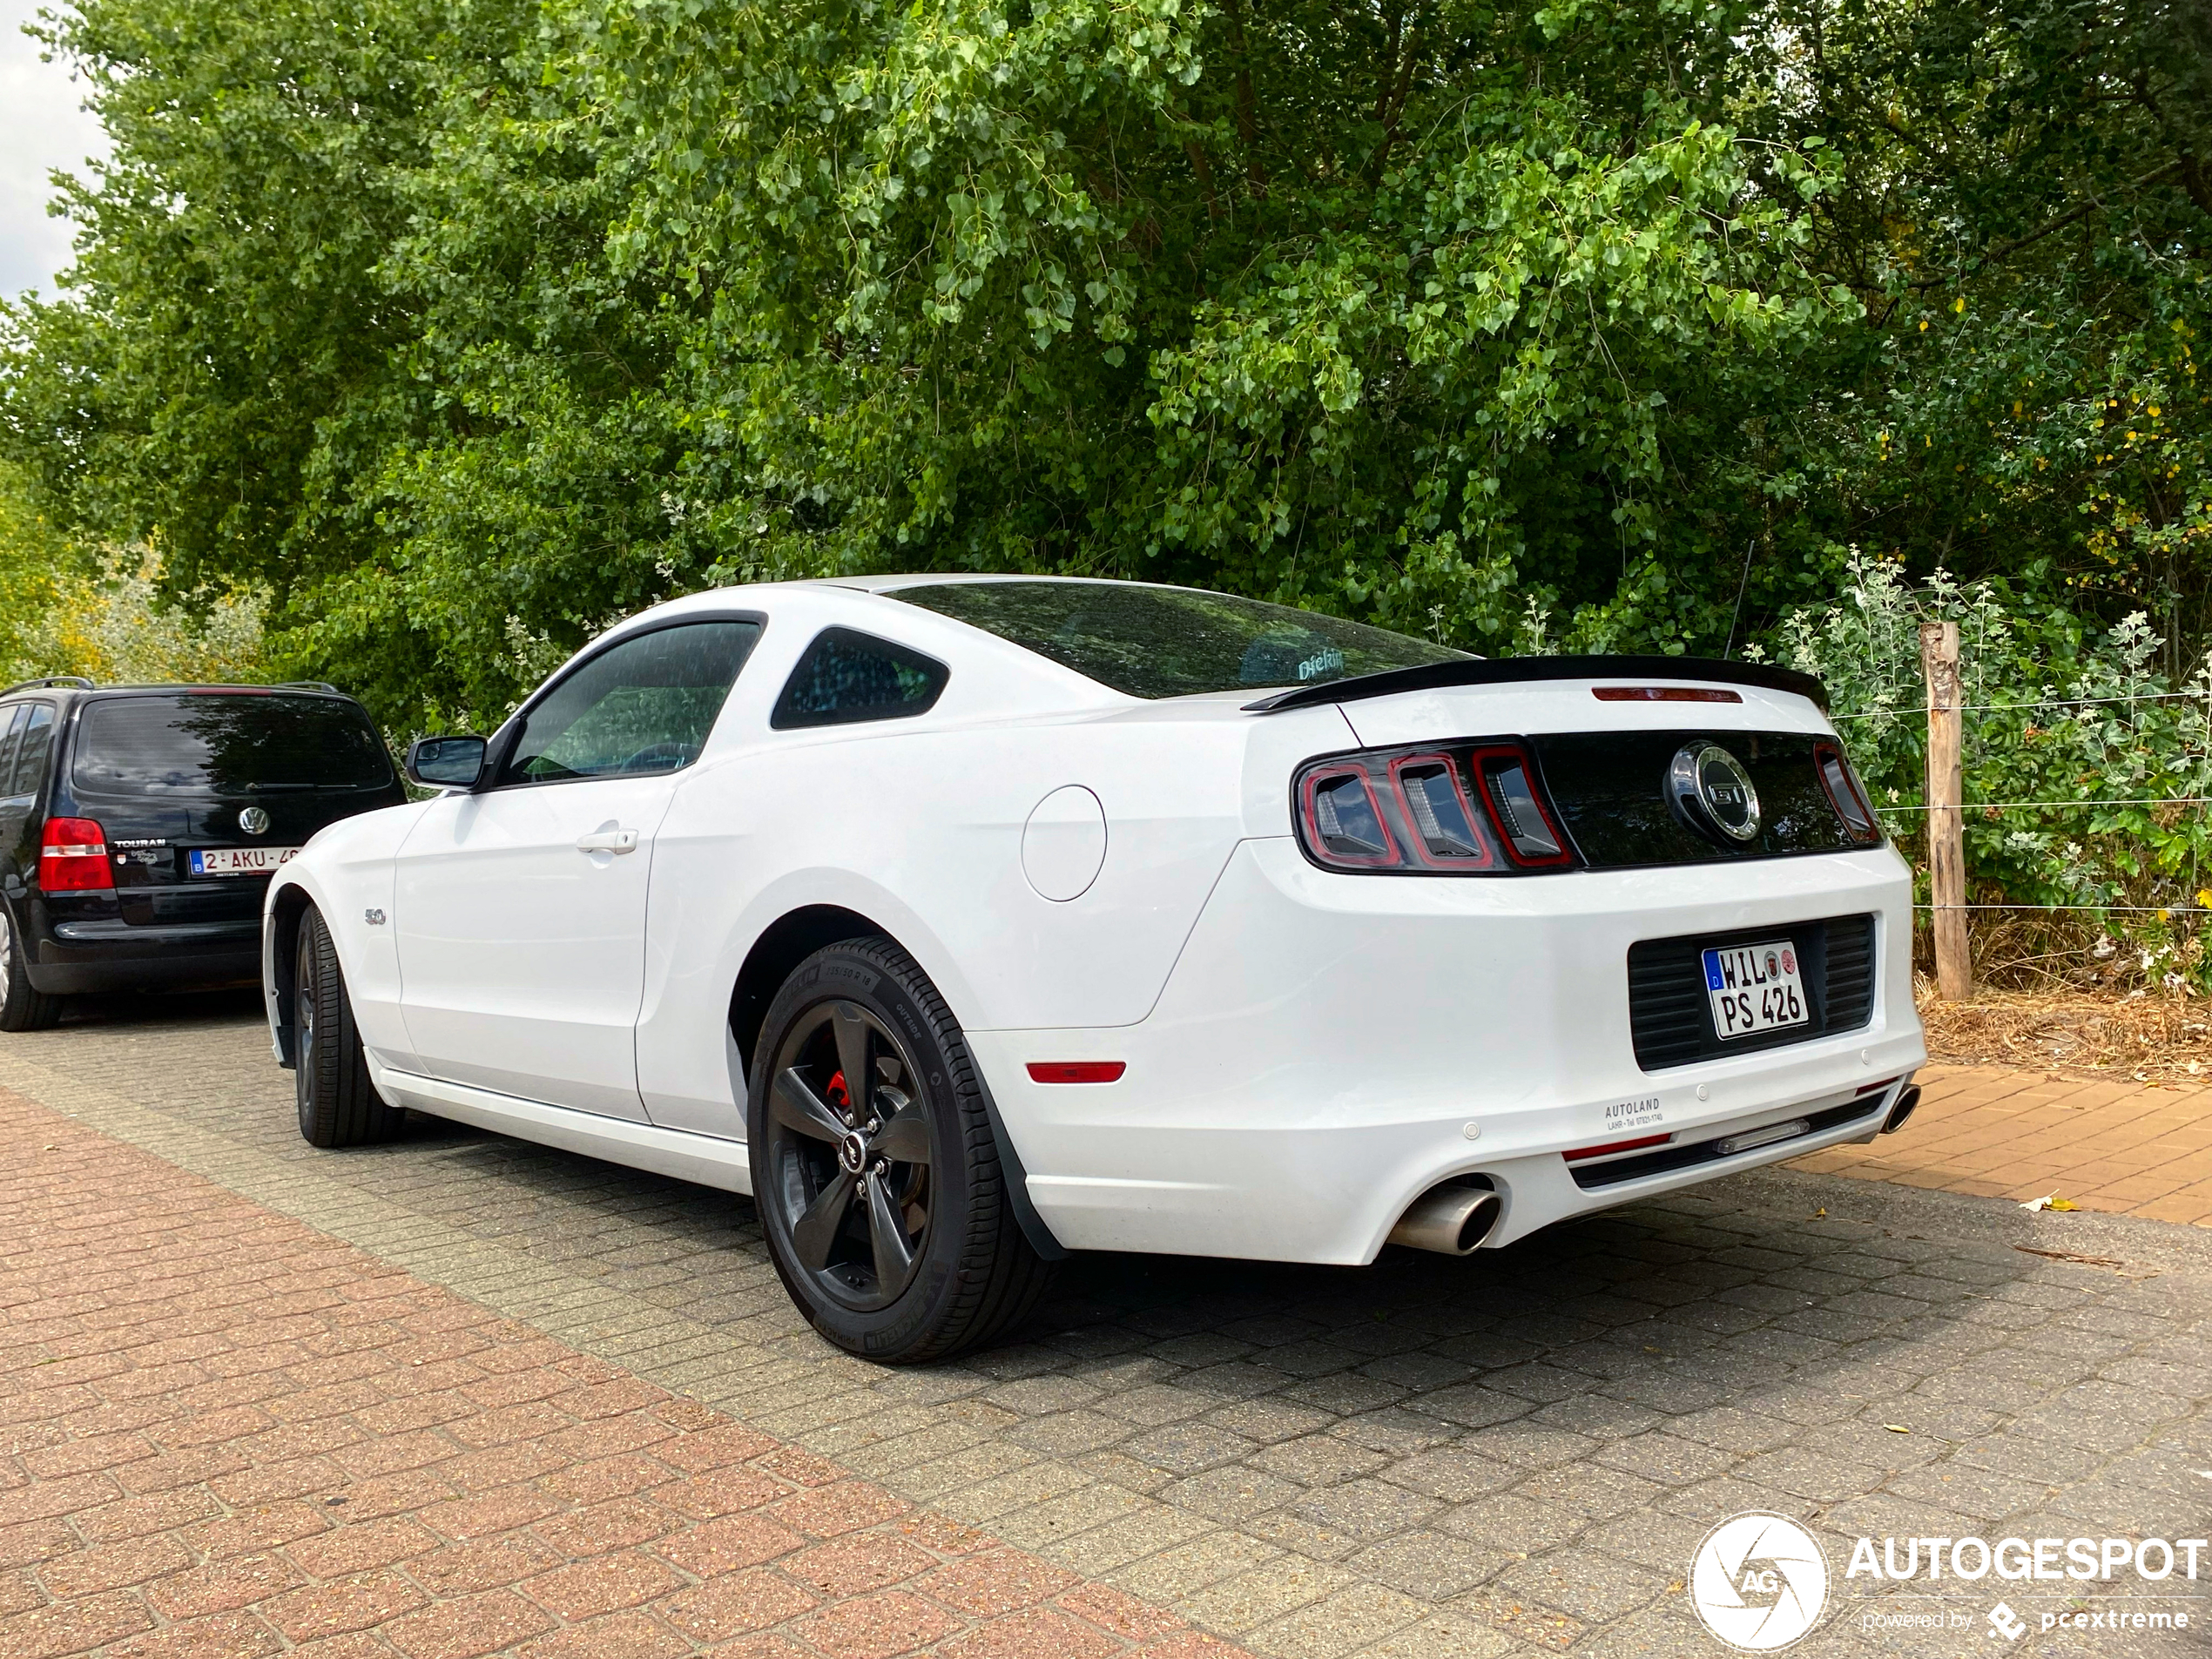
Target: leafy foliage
2082,762
465,328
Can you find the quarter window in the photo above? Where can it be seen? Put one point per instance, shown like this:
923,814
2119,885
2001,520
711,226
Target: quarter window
33,742
10,723
847,677
641,707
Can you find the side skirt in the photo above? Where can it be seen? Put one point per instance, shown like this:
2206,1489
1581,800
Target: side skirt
701,1158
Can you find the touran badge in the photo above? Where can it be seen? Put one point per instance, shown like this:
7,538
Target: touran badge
1711,790
254,821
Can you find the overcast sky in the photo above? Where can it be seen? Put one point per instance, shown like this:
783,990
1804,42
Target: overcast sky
40,128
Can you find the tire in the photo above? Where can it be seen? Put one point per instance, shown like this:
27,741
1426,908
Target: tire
22,1007
339,1104
886,1215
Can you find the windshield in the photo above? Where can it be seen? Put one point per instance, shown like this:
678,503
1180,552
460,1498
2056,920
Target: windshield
227,743
1174,642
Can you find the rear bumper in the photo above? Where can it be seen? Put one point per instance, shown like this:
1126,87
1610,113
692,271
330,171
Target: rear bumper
109,954
1329,1047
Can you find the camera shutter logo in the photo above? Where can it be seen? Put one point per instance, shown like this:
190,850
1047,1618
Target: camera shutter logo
254,821
1759,1581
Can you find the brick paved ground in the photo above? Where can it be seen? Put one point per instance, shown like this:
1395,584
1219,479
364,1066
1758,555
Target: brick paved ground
1517,1453
2118,1147
224,1435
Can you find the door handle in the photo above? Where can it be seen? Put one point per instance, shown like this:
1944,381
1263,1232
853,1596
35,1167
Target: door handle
607,841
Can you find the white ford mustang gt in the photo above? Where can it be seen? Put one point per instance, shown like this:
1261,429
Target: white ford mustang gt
967,921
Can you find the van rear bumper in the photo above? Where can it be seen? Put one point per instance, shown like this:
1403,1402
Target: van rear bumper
110,954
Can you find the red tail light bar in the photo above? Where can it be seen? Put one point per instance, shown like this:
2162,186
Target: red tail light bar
1610,1147
73,857
1473,807
1846,792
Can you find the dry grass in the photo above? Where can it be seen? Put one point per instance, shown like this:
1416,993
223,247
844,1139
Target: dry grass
2151,1037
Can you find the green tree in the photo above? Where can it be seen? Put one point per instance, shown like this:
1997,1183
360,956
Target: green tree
466,329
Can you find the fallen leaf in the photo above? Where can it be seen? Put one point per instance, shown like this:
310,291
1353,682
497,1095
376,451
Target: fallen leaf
1820,1214
1897,1428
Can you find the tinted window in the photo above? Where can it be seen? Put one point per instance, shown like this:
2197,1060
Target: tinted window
1175,641
846,677
33,742
645,706
10,724
226,743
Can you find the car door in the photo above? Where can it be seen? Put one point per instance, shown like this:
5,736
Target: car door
17,855
520,906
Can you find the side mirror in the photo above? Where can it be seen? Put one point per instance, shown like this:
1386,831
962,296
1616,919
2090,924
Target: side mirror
445,763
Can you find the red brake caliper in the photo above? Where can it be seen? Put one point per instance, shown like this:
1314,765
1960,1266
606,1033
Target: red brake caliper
840,1097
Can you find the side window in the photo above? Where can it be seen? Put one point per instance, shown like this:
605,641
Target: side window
10,723
847,677
34,742
644,707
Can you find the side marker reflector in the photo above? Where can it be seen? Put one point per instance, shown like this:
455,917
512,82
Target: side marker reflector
1616,1146
1076,1071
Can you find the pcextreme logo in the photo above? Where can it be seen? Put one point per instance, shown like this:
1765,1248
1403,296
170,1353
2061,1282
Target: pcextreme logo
1759,1581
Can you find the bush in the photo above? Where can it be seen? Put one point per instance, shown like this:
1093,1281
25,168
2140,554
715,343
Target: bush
2109,864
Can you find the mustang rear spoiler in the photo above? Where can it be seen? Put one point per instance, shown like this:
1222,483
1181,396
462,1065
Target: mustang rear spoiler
1485,670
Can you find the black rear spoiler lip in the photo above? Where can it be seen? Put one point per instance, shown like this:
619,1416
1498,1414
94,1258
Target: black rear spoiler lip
1485,671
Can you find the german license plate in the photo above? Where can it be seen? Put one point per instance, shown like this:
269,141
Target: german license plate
1755,988
239,860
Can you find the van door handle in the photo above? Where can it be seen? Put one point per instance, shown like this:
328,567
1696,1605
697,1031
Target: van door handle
607,841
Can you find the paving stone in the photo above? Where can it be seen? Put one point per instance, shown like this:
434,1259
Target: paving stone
1431,1565
1367,1509
1299,1450
1589,1586
1246,1600
1318,1459
1345,1622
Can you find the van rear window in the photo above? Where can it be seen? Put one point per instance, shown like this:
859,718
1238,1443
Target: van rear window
218,743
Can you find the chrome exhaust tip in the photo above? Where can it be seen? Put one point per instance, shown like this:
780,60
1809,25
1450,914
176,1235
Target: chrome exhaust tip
1907,1102
1453,1220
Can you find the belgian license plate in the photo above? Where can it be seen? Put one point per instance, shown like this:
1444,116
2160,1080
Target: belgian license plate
239,860
1755,988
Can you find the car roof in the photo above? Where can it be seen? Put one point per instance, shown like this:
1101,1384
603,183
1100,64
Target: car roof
978,579
63,686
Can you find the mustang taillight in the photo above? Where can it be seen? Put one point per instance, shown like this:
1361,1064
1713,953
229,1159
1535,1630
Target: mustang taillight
1840,779
1466,808
73,857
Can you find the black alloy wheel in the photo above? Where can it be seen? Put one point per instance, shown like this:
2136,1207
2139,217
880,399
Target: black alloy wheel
851,1151
874,1167
337,1100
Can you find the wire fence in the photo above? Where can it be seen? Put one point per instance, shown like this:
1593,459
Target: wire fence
2058,707
2039,703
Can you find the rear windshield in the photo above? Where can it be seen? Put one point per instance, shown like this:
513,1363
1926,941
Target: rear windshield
1174,642
203,742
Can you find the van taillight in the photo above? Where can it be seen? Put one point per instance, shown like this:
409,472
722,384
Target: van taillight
73,857
1453,809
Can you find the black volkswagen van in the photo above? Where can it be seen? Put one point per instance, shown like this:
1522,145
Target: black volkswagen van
139,825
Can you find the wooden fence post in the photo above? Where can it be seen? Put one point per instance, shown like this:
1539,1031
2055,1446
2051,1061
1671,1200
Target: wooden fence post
1947,824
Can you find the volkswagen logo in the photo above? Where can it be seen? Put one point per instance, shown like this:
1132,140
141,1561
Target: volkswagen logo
1709,788
254,821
